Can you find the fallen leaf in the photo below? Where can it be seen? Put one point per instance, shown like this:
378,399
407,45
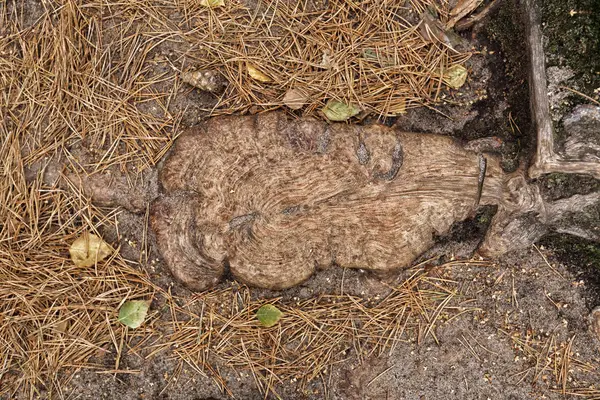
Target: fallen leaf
431,29
102,351
336,110
383,60
455,76
212,3
255,73
462,9
62,326
133,313
327,61
268,315
295,99
87,249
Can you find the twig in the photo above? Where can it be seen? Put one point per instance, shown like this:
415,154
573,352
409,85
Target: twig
581,94
474,19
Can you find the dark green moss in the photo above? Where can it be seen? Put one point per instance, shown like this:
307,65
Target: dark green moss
573,31
473,228
508,31
504,36
559,186
581,257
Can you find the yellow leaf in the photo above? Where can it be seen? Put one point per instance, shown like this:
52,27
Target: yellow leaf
87,249
295,99
255,73
212,3
455,76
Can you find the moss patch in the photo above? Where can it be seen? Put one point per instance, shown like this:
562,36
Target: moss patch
572,28
581,256
572,32
505,38
559,186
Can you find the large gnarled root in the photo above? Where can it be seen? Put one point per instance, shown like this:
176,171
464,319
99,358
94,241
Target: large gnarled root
275,199
183,244
285,197
523,217
520,220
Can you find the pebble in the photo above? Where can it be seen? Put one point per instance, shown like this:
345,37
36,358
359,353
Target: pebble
595,319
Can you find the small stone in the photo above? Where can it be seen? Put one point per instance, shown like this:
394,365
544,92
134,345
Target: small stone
595,320
210,80
582,127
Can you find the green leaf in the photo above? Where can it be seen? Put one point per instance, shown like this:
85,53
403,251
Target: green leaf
369,54
268,315
133,313
336,110
382,59
455,76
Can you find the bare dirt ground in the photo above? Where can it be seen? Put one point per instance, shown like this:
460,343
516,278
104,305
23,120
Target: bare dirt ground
529,312
515,328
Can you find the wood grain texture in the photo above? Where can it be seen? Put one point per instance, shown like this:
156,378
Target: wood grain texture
276,198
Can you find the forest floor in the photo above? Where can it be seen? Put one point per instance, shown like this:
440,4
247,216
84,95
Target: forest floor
99,83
